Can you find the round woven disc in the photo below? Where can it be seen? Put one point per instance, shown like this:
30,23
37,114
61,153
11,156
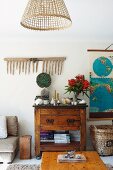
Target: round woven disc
43,80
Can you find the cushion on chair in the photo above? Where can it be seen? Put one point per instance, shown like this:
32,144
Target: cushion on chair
12,125
3,127
9,144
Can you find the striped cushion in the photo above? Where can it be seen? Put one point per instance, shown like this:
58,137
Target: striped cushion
12,125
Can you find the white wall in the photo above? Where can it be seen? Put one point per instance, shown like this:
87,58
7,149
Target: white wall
17,92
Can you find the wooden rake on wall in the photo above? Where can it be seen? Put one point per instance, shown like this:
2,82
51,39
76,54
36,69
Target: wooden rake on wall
50,65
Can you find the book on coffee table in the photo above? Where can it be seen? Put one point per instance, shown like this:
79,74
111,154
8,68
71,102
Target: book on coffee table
75,158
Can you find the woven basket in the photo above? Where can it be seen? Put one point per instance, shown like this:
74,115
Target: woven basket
102,139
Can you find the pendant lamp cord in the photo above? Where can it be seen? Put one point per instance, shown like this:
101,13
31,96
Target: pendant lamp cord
108,46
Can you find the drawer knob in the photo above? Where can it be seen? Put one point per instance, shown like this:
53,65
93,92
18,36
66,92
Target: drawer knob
50,121
71,121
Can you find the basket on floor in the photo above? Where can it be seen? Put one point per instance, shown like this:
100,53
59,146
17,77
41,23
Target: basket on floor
102,139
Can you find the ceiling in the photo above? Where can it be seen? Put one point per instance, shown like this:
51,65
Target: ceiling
92,21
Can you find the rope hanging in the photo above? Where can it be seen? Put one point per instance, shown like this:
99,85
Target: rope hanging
50,65
109,46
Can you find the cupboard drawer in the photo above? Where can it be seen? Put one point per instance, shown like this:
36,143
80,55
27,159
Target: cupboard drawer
59,112
68,120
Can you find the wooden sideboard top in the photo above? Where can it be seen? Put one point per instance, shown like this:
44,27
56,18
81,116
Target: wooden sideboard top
61,106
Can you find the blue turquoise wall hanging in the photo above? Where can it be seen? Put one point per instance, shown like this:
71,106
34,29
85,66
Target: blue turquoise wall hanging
101,81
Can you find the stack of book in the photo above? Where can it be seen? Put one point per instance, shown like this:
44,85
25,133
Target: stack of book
61,137
47,136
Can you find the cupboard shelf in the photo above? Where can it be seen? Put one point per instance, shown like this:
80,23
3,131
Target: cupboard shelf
60,146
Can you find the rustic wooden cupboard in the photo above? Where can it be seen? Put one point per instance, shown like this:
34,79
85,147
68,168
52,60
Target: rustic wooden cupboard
60,118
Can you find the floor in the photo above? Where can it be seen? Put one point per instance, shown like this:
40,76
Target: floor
18,161
106,160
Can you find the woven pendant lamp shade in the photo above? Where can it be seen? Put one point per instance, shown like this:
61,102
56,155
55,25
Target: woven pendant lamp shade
46,15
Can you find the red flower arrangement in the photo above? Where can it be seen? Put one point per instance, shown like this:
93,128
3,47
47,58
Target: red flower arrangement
78,85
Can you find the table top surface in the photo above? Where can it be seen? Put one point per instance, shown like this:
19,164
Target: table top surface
93,162
61,106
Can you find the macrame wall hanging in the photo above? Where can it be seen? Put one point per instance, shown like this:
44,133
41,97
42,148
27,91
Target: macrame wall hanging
50,65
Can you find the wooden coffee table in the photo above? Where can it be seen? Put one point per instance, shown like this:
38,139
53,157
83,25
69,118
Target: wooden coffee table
49,162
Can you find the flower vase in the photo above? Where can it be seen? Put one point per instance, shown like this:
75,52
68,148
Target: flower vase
76,98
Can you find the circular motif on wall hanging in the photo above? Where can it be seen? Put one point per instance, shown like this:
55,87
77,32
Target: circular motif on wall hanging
102,66
43,80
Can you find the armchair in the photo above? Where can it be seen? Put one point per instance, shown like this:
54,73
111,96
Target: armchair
9,145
